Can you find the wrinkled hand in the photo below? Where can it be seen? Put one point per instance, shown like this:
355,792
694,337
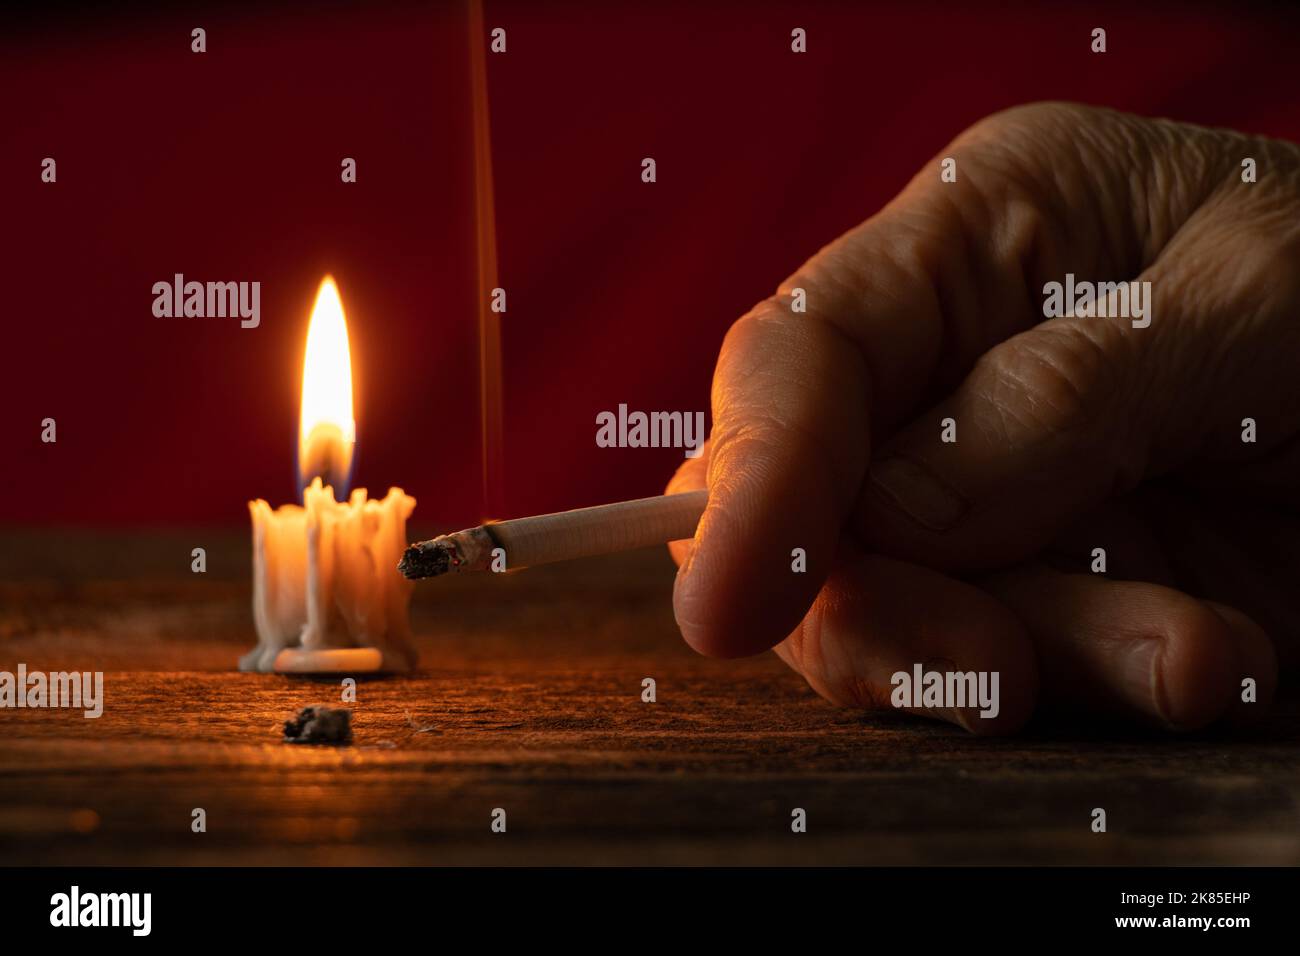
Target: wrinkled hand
1072,434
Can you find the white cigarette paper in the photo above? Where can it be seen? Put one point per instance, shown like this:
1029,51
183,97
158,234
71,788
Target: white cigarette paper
604,529
543,539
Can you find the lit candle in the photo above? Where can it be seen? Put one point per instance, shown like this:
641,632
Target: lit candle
327,595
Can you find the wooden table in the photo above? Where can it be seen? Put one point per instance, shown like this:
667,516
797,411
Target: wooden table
529,699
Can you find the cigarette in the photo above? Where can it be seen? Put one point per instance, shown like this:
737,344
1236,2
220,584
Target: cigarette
545,539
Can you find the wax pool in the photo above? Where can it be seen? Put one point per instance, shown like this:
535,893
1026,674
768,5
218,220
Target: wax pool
325,576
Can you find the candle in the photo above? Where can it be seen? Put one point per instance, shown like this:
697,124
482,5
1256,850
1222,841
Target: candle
325,579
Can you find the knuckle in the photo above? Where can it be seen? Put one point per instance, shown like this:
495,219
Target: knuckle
1047,382
757,340
1030,119
1269,261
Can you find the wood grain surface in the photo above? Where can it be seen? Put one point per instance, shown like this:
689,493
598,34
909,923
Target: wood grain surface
529,699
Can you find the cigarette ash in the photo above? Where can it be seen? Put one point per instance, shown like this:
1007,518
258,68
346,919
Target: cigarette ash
428,559
319,724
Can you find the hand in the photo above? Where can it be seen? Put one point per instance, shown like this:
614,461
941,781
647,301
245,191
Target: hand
1073,433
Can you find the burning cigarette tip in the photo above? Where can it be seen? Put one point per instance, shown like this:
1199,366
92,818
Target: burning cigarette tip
428,559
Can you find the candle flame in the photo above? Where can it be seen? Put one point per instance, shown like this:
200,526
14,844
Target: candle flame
327,431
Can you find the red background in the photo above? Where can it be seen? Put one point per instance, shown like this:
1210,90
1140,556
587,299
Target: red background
225,166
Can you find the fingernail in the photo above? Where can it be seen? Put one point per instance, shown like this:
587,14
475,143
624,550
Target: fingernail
1142,678
910,487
